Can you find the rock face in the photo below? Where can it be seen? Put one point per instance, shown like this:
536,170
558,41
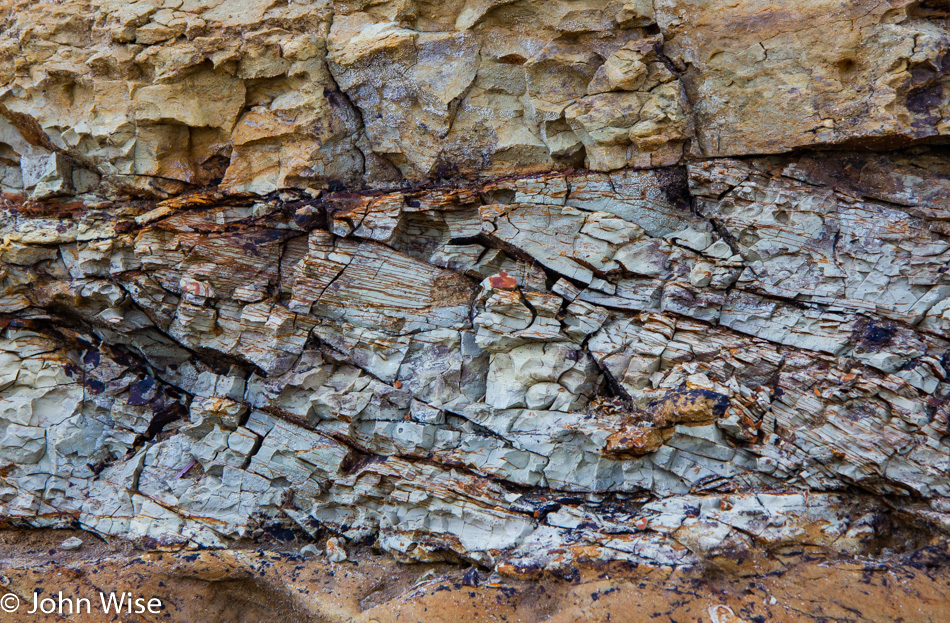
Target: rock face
482,280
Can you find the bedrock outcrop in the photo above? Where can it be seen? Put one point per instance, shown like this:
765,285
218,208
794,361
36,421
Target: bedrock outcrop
522,283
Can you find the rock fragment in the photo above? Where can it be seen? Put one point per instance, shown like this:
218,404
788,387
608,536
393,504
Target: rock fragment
71,544
336,553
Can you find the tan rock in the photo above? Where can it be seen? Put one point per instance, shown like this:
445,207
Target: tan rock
399,76
766,78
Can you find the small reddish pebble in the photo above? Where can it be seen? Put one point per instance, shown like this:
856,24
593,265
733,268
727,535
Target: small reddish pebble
503,281
397,384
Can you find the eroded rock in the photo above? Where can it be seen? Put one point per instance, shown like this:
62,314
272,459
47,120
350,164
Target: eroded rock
335,267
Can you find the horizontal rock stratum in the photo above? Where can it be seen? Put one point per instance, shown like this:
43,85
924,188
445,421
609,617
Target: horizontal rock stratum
526,283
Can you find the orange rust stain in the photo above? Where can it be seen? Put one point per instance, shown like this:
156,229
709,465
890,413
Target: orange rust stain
503,281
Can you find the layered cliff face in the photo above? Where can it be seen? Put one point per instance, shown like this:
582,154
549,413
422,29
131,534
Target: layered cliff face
523,283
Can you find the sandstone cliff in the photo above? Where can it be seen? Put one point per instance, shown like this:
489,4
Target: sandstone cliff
526,283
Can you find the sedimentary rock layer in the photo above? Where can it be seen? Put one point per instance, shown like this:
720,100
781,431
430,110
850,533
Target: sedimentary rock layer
521,283
244,584
158,96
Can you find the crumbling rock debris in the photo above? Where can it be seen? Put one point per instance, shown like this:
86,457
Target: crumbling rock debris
485,281
261,584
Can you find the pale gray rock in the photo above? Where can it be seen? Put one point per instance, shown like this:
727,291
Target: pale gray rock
71,544
310,551
663,366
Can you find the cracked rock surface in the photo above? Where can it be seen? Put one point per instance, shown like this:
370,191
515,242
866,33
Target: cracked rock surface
527,284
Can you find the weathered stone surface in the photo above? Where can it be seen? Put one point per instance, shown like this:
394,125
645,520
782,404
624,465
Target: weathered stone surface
766,77
155,98
234,366
335,267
